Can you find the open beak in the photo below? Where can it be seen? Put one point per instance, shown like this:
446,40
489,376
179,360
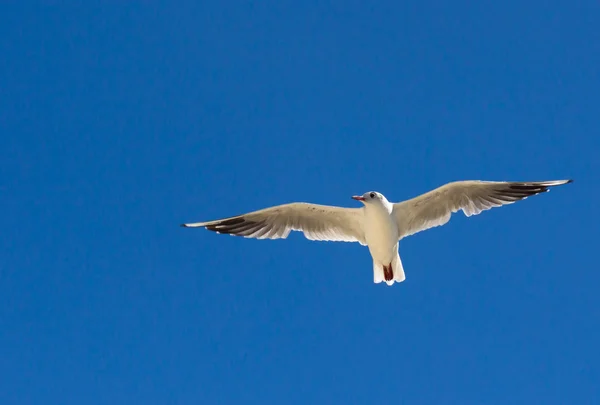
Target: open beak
358,198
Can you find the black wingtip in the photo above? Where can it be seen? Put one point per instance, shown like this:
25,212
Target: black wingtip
569,181
183,225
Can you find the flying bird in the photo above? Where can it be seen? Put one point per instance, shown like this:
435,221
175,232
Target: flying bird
378,224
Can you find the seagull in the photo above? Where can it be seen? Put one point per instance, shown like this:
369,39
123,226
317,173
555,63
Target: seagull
378,224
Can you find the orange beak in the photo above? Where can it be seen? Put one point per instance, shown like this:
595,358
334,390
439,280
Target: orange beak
358,198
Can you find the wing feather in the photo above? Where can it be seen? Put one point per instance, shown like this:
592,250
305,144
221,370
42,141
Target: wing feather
472,197
317,222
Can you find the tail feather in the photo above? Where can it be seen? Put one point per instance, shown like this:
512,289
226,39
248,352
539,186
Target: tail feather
377,273
390,272
398,269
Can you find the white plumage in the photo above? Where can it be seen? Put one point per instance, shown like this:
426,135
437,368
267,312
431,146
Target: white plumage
379,224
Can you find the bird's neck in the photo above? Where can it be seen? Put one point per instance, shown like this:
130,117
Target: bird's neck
379,208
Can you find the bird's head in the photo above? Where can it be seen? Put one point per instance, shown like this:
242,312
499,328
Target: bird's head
371,197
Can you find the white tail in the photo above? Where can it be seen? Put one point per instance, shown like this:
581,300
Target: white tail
397,270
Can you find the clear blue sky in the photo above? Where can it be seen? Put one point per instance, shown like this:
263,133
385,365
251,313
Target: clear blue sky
119,122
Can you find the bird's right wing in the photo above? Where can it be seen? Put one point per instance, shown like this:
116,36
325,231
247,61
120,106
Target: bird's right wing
317,222
472,197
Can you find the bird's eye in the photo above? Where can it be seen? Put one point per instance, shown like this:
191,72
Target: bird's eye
372,195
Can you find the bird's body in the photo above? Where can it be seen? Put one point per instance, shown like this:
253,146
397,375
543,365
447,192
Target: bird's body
381,231
381,235
379,224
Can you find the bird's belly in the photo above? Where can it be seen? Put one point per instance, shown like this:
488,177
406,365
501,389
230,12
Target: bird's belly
382,239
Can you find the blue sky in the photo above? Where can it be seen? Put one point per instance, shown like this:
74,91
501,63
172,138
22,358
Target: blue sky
119,122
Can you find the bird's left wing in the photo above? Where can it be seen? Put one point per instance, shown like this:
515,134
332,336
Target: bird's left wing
317,222
472,197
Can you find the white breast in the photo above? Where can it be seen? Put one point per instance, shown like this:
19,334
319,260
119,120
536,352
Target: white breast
381,233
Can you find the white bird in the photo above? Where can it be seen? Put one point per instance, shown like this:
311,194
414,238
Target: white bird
379,224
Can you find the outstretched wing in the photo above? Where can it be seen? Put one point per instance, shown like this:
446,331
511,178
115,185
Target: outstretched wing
472,197
317,222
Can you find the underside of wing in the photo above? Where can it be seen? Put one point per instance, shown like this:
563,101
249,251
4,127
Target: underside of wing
317,222
472,197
